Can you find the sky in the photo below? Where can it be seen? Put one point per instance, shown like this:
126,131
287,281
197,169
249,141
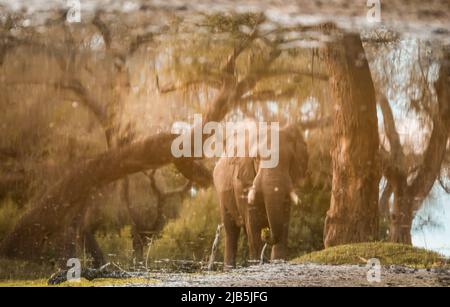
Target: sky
437,206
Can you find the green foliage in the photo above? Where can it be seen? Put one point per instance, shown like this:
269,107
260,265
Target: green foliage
117,247
307,221
387,253
191,235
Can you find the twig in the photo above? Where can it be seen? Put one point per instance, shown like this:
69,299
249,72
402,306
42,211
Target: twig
214,247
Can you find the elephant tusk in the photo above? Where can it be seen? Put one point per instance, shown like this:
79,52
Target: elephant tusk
294,197
251,195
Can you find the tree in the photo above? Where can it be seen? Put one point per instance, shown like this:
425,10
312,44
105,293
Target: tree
62,204
353,213
409,194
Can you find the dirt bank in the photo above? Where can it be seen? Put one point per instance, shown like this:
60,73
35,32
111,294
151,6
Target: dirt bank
302,275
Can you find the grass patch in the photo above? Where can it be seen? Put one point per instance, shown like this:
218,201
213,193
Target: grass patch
191,235
387,253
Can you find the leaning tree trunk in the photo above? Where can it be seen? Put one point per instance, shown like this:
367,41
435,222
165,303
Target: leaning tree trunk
353,214
61,204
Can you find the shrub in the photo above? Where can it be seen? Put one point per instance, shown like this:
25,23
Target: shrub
191,235
307,221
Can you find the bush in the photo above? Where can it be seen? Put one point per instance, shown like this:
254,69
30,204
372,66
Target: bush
190,236
307,221
117,246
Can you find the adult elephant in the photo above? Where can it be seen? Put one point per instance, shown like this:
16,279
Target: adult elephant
270,191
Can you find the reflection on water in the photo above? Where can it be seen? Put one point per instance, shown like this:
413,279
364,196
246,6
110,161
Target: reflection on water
72,91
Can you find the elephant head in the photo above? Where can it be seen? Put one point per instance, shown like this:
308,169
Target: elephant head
291,167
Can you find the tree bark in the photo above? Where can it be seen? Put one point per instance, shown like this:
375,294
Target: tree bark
384,203
353,213
402,214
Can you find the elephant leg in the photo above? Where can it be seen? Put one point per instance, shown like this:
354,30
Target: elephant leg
231,243
252,218
232,229
278,213
253,227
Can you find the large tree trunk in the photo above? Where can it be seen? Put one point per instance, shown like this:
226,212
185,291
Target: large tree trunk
353,214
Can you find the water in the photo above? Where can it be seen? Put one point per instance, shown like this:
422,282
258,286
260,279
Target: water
434,236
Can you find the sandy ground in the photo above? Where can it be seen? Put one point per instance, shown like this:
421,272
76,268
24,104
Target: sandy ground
302,275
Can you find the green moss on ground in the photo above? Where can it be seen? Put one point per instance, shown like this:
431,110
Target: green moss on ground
387,253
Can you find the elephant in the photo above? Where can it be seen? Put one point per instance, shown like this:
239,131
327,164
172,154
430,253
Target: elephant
269,193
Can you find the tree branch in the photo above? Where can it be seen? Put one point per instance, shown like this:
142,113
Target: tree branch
396,151
437,146
385,199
